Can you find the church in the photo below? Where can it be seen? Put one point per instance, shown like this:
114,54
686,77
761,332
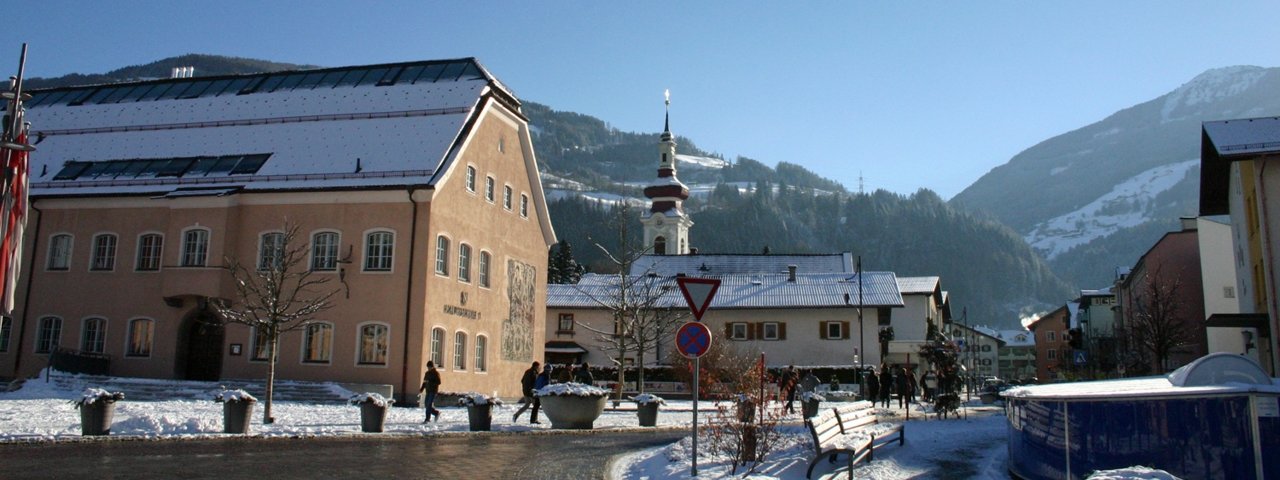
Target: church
803,310
414,184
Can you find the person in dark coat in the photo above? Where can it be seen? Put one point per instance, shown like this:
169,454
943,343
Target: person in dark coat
430,386
583,375
886,385
903,379
787,386
526,390
873,386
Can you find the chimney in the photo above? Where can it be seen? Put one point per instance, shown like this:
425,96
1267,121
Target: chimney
791,273
174,72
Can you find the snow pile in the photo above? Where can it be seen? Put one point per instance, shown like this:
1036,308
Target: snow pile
807,396
647,398
472,398
1132,473
236,395
572,389
374,398
94,395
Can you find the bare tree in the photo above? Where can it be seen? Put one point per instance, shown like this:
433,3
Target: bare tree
1157,325
275,295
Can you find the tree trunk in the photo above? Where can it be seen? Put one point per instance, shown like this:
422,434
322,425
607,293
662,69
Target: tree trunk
640,366
267,419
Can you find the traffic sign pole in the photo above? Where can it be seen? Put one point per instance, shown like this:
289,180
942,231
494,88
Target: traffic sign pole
694,339
696,367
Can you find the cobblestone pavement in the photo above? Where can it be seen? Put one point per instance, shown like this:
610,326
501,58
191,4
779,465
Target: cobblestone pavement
555,455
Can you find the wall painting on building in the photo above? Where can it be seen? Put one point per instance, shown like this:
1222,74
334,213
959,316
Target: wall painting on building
517,329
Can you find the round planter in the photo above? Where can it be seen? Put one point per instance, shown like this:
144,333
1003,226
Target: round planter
480,417
95,418
571,411
235,416
648,413
372,417
810,408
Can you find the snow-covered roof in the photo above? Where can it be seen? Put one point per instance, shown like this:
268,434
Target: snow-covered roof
354,127
1223,142
700,265
918,285
1101,292
739,291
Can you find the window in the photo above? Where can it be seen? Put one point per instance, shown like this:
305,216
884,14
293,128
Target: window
986,362
471,179
660,245
506,197
565,323
1053,354
524,205
738,331
1229,292
195,248
93,335
482,344
488,189
460,351
464,262
104,253
771,331
986,348
437,346
150,247
317,342
377,253
834,330
1053,336
324,252
270,251
484,269
49,334
373,344
6,329
442,256
59,252
141,331
261,345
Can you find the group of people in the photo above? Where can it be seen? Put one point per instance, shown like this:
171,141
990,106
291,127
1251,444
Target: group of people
882,383
791,380
534,378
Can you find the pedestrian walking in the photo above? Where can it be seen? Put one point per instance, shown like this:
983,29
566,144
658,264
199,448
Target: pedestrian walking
787,386
527,382
430,386
834,385
809,383
913,386
583,375
931,385
886,385
903,381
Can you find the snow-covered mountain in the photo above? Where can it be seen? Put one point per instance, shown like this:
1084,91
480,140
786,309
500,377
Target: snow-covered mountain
1098,197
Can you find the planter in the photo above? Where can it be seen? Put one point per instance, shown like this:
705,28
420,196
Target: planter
480,417
809,408
235,416
573,411
95,418
372,417
648,413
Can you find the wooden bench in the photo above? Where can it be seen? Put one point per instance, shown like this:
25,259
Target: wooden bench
849,430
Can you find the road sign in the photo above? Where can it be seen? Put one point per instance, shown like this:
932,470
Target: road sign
1078,357
693,339
698,293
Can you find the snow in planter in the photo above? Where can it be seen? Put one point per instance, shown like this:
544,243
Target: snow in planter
95,395
571,389
374,398
237,395
808,396
471,399
647,398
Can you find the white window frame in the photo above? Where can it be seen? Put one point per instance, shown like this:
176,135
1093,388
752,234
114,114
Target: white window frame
561,320
777,329
442,255
270,250
1053,336
94,341
437,346
482,351
324,257
506,197
259,345
129,351
59,259
195,247
385,254
485,263
839,330
326,346
460,350
102,256
733,331
360,344
490,188
1053,354
464,262
524,205
149,253
48,334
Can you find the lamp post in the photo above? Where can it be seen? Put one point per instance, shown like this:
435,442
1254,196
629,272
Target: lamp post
862,351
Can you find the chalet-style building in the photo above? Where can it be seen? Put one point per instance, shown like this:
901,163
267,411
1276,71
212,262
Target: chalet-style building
1239,178
414,184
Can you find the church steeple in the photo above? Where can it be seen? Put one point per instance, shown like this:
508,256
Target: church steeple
666,226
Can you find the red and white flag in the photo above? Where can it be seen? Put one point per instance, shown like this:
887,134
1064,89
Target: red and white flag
13,219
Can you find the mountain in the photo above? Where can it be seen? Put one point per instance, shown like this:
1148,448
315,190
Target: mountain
1098,197
743,205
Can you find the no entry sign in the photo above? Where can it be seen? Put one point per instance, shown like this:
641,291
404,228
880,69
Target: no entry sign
693,339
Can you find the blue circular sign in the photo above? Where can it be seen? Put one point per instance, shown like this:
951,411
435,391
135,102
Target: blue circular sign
693,339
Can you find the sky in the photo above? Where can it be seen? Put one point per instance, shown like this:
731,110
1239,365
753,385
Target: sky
876,95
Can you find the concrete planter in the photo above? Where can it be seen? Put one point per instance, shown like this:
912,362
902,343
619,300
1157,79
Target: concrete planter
809,408
648,413
235,416
372,417
572,411
95,418
480,417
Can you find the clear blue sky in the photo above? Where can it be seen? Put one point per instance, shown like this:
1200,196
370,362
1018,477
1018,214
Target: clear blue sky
908,94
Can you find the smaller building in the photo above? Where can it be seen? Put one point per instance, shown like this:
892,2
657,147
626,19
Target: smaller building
1050,334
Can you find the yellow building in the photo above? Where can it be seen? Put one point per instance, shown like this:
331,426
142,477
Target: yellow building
415,184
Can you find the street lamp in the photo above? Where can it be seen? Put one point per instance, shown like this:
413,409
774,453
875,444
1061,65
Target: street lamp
858,357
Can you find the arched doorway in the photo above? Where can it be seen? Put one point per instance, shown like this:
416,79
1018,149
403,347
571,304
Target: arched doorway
203,336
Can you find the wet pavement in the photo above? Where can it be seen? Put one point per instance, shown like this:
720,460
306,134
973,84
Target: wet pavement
454,456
